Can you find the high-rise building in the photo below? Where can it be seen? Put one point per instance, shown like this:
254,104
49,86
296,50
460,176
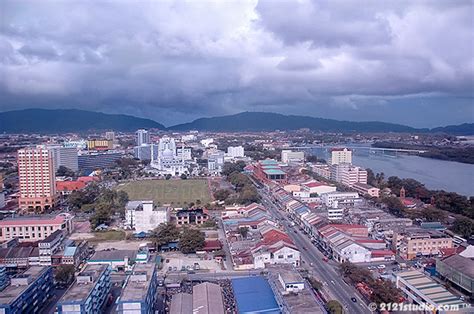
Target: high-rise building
337,170
235,151
89,162
64,156
341,156
36,174
146,152
289,156
143,137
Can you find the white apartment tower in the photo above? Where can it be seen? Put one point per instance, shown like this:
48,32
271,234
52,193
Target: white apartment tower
341,156
143,137
36,172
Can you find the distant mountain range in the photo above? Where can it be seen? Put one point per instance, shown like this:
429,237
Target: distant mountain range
265,121
72,120
69,120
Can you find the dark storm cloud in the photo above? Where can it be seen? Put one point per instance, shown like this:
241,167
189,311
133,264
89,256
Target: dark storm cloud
175,61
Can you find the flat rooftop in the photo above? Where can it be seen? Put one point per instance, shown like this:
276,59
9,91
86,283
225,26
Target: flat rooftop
79,291
11,292
113,255
290,276
138,283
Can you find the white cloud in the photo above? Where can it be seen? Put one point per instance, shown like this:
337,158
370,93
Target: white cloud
197,58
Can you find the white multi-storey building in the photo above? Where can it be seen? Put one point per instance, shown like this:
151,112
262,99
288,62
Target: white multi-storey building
235,151
142,137
337,170
335,212
207,141
168,161
342,198
143,216
350,176
341,156
289,156
215,162
184,153
188,137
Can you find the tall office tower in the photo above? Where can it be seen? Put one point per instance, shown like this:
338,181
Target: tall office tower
64,156
143,137
110,136
36,172
341,156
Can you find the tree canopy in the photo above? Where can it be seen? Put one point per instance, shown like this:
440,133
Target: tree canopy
191,240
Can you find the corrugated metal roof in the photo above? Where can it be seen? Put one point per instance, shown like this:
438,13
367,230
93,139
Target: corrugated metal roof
254,295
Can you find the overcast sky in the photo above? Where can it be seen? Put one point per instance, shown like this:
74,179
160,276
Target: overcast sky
410,62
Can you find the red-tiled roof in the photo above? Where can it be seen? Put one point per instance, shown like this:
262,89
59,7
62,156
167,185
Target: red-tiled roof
28,222
407,202
87,179
381,253
367,240
313,184
69,185
210,245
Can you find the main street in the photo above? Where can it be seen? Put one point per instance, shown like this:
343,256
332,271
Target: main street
314,260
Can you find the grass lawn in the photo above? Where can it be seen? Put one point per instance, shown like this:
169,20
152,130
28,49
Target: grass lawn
174,192
110,235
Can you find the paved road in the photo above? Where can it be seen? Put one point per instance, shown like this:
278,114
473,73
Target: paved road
331,278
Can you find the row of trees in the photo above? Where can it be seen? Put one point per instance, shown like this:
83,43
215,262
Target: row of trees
190,240
101,202
442,202
244,190
383,291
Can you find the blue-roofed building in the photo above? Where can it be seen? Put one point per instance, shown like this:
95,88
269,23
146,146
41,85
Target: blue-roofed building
254,295
4,279
139,293
88,293
269,170
27,292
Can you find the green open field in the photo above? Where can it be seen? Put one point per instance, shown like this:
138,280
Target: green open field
174,192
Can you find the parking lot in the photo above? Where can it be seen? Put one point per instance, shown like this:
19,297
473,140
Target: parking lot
175,262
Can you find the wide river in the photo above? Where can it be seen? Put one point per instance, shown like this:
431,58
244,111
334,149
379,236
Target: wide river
435,174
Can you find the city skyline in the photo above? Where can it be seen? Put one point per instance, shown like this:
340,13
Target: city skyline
407,63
